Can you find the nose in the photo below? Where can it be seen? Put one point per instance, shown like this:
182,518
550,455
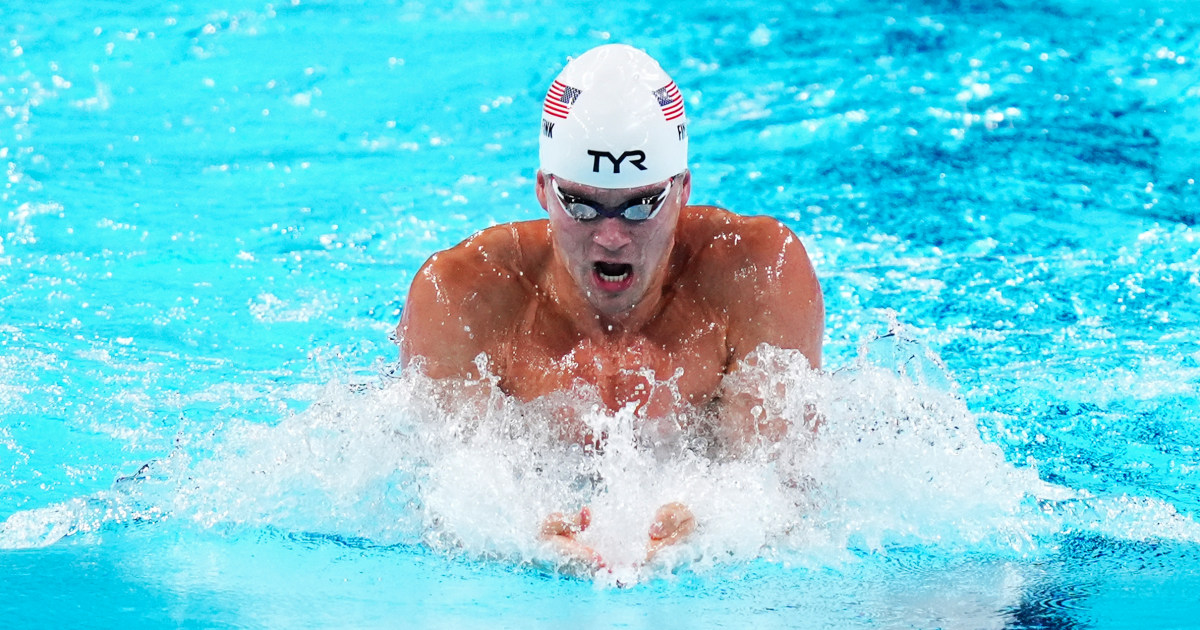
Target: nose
611,234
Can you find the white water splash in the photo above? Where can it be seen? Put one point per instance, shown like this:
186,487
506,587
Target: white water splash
897,462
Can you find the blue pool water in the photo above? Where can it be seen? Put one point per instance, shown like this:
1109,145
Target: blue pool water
211,213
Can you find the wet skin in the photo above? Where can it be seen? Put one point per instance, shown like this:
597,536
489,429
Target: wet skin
621,307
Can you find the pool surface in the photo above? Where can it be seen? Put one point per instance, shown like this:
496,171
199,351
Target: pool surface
212,211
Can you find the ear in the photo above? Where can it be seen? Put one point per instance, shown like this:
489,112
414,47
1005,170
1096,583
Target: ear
540,188
685,187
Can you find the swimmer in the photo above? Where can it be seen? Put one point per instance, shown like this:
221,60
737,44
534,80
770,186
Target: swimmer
623,286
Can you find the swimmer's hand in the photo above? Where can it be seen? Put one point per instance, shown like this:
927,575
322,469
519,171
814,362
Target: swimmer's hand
560,531
672,524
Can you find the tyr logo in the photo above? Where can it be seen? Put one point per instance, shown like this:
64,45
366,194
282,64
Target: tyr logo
636,159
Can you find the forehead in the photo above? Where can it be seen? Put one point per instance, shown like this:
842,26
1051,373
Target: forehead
593,192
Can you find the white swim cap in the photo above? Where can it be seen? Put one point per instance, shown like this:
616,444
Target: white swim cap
614,119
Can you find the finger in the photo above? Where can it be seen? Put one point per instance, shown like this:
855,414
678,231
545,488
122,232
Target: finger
556,525
578,554
673,520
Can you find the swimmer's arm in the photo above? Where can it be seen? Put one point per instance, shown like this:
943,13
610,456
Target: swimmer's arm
458,307
776,301
435,326
453,312
777,298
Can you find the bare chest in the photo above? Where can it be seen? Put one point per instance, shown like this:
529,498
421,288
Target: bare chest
663,369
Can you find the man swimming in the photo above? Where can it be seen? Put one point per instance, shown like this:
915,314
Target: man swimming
624,287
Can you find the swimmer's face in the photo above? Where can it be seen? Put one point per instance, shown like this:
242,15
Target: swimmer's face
614,261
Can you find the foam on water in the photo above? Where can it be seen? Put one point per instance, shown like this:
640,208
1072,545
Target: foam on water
897,462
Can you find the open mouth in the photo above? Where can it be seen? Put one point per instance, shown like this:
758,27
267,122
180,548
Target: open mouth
613,276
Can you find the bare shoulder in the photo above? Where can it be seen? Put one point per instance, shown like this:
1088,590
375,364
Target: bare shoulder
757,248
467,295
761,272
487,258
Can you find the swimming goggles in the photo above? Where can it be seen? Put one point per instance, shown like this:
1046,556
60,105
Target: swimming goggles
637,209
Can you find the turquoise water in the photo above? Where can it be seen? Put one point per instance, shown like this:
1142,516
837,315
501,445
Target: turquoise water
211,215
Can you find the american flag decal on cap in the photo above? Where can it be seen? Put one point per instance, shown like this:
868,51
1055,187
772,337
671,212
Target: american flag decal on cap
559,99
670,100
